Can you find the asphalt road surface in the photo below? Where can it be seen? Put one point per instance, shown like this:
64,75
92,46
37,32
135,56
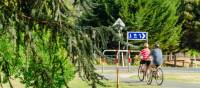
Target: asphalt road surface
165,69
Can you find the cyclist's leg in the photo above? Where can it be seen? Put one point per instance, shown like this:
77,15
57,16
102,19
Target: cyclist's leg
147,64
157,66
154,65
142,64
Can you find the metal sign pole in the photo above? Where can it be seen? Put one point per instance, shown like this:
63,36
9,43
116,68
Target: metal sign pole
127,42
128,52
119,40
117,75
127,49
117,69
120,24
102,62
147,38
129,60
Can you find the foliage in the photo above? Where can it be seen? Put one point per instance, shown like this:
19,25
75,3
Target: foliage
39,43
193,53
103,13
7,58
190,15
157,17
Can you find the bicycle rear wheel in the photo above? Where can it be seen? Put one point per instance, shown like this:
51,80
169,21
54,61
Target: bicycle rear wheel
159,76
140,73
149,77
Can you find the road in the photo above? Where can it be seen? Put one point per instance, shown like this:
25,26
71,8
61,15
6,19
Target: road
125,77
165,69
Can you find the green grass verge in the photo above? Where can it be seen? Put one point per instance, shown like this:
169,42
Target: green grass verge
177,77
78,83
184,77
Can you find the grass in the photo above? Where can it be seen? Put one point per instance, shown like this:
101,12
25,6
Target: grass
184,77
78,83
176,77
180,77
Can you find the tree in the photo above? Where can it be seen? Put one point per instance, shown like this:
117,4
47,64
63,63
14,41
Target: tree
157,17
103,13
37,37
190,15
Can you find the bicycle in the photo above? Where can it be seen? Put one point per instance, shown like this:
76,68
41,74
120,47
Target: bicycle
142,70
141,73
157,73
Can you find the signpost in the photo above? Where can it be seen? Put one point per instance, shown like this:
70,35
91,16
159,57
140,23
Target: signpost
130,36
120,24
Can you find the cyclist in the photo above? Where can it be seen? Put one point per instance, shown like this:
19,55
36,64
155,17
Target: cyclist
157,60
145,60
156,53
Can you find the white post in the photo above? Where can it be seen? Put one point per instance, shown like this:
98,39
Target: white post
122,59
195,60
119,43
127,46
129,61
170,55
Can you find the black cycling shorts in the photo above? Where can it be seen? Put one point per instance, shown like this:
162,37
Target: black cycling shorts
145,62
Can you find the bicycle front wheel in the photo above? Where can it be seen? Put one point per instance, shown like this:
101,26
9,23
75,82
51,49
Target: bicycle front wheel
159,76
140,73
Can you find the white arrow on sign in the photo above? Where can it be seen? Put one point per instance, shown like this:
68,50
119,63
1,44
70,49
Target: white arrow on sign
143,35
119,22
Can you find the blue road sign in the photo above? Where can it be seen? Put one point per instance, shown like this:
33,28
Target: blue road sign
137,35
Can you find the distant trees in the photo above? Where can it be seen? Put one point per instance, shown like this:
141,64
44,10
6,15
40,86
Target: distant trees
157,17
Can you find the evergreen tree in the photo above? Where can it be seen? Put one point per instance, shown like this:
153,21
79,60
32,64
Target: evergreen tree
103,13
37,38
157,17
190,15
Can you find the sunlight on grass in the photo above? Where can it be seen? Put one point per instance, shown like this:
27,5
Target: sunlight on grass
178,77
78,83
184,77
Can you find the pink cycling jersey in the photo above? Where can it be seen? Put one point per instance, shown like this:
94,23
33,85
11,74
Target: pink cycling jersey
145,53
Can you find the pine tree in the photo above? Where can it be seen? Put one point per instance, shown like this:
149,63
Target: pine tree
157,17
190,15
37,39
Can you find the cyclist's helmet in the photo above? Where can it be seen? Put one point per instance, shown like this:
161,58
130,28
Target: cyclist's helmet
156,45
146,45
